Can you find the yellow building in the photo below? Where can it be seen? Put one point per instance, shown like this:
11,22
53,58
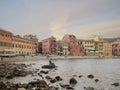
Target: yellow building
89,47
99,47
23,46
107,48
5,39
103,47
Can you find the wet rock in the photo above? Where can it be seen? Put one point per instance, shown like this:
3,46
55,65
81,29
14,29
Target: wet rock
70,88
53,80
115,84
53,88
90,76
89,88
96,80
73,81
19,73
40,84
64,85
19,85
48,66
58,78
48,78
12,70
80,76
40,75
9,75
44,72
10,86
2,86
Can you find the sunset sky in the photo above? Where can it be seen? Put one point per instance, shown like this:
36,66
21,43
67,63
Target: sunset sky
44,18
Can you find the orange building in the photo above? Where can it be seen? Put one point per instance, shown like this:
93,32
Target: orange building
5,39
23,46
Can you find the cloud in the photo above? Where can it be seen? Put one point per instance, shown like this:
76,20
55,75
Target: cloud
57,25
105,29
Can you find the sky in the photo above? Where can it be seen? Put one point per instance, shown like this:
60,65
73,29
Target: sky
46,18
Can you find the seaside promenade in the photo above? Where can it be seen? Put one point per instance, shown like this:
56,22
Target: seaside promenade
30,58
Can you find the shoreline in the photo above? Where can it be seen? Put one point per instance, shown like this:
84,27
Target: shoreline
36,58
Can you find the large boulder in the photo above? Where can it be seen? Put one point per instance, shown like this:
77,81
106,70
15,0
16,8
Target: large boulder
53,80
48,78
58,78
90,76
115,84
44,72
48,66
73,81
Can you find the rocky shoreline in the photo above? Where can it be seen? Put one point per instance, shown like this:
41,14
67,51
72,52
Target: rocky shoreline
11,70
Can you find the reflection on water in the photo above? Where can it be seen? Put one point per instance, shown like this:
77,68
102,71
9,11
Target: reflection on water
106,70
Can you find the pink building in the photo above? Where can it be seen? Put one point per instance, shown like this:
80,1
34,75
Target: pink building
116,48
74,48
71,40
49,45
77,51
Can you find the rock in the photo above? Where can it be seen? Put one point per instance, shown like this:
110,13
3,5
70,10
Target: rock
48,66
22,85
44,72
48,78
74,75
115,84
80,76
53,80
96,80
64,85
10,86
71,88
58,78
89,88
90,76
9,75
53,88
2,86
21,89
10,71
40,84
19,73
73,81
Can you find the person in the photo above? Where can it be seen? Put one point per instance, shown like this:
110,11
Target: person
51,63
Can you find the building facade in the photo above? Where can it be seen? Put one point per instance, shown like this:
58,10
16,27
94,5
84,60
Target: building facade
23,46
73,46
33,38
107,48
102,46
71,40
116,48
49,45
5,39
65,48
59,47
62,48
89,47
77,51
